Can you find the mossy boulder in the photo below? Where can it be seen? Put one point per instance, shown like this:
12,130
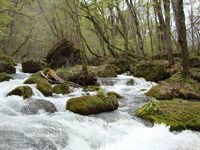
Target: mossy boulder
176,87
75,74
7,64
31,66
177,113
45,88
24,91
151,71
93,88
107,70
87,105
35,78
61,89
5,77
112,93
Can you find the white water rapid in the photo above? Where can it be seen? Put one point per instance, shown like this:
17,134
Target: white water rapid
64,130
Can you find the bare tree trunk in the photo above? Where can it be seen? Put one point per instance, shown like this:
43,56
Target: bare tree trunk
181,30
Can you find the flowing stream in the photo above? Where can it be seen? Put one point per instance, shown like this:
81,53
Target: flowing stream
64,130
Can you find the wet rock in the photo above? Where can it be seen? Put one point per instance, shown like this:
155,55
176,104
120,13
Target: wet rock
151,71
61,89
107,70
87,105
24,91
112,93
130,82
93,88
34,106
45,88
31,66
76,75
63,54
179,114
5,77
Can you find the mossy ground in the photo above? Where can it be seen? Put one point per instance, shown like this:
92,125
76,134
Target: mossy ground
24,91
87,105
177,113
176,87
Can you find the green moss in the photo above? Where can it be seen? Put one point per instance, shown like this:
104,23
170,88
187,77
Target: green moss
24,91
35,78
93,88
45,88
7,59
112,93
151,71
87,105
5,77
177,113
61,89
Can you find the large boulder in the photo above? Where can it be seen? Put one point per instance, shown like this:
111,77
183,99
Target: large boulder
75,74
24,91
31,66
107,70
45,88
7,65
176,87
151,71
87,105
34,106
177,113
61,89
5,77
63,54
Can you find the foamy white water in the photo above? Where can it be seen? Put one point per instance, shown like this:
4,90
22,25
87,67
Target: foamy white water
64,130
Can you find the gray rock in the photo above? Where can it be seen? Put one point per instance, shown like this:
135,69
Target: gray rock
34,106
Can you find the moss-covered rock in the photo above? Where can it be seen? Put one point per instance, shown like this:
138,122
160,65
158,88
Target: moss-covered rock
61,89
45,88
75,74
151,71
24,91
107,70
35,78
93,88
7,64
177,113
112,93
31,66
176,87
87,105
5,77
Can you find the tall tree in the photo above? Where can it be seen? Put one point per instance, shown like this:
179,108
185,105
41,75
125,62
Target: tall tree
182,37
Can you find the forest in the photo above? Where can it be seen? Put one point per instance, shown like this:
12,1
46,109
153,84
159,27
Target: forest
100,74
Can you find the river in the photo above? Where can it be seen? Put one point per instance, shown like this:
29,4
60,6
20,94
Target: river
64,130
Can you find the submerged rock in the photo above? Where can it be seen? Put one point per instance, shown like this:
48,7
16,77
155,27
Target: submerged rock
31,66
61,89
24,91
151,71
87,105
5,77
45,88
34,106
130,82
177,113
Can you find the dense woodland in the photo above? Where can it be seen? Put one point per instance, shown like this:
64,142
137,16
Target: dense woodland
91,45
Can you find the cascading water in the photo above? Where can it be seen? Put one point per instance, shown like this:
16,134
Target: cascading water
118,130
